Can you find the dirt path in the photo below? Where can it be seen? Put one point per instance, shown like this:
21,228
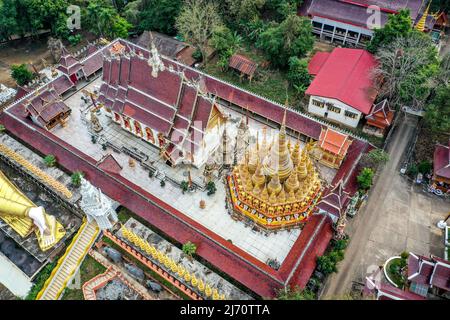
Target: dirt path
394,219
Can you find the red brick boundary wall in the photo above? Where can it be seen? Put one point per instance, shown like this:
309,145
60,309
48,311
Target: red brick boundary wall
223,255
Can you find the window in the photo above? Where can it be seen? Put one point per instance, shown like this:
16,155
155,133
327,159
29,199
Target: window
333,108
317,103
350,114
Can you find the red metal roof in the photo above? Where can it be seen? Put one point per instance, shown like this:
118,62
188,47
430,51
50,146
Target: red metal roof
317,61
346,76
441,162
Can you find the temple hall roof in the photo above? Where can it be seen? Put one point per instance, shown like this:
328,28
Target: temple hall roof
381,115
67,63
334,141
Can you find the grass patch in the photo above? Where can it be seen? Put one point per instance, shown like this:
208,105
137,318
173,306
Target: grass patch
123,215
43,275
88,269
146,269
393,270
269,83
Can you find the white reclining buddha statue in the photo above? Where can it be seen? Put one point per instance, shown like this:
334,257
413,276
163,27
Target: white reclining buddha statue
24,216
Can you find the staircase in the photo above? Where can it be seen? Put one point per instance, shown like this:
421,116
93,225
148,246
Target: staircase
69,263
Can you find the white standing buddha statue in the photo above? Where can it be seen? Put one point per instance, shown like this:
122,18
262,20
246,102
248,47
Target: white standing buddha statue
97,206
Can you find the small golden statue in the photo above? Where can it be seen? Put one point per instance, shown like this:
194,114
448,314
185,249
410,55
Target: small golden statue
202,204
24,216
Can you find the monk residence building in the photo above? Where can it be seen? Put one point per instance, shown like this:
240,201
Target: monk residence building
346,21
342,90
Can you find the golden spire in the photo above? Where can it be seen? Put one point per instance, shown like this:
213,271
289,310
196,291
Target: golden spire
301,169
258,177
249,185
273,198
264,194
292,183
421,24
257,190
282,196
296,154
274,185
291,196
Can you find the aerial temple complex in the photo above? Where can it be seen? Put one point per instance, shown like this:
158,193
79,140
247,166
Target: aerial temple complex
157,120
277,186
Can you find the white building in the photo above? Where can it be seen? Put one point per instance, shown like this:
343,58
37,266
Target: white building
342,90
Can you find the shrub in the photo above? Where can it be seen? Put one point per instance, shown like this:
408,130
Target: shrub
413,170
184,186
43,275
340,244
197,55
76,178
404,255
151,173
74,39
93,139
104,146
295,294
162,183
365,178
298,75
211,187
2,128
326,265
189,248
223,40
50,160
21,74
424,167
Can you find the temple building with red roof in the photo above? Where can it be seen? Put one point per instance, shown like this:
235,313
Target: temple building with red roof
342,90
379,119
178,124
441,167
332,147
47,109
427,274
351,22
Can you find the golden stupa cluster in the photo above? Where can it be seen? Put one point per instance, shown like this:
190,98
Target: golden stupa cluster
276,185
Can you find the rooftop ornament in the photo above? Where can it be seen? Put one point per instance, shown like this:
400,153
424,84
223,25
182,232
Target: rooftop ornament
155,61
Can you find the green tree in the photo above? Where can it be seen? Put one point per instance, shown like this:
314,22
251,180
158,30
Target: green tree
292,37
398,25
240,11
326,264
104,21
184,186
21,74
437,112
424,167
76,178
159,15
295,294
8,19
298,75
365,178
189,248
197,21
50,160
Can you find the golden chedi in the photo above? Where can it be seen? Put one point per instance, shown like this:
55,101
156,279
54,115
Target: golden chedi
276,184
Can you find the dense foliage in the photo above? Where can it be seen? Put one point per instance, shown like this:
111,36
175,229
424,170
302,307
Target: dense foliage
21,74
295,294
298,75
290,38
397,25
437,112
365,178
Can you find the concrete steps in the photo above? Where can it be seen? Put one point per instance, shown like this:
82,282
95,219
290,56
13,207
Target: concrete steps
67,268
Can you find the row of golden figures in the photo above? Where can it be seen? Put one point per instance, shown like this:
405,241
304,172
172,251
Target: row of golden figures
24,217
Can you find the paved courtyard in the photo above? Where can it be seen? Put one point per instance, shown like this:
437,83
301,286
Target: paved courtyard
214,216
